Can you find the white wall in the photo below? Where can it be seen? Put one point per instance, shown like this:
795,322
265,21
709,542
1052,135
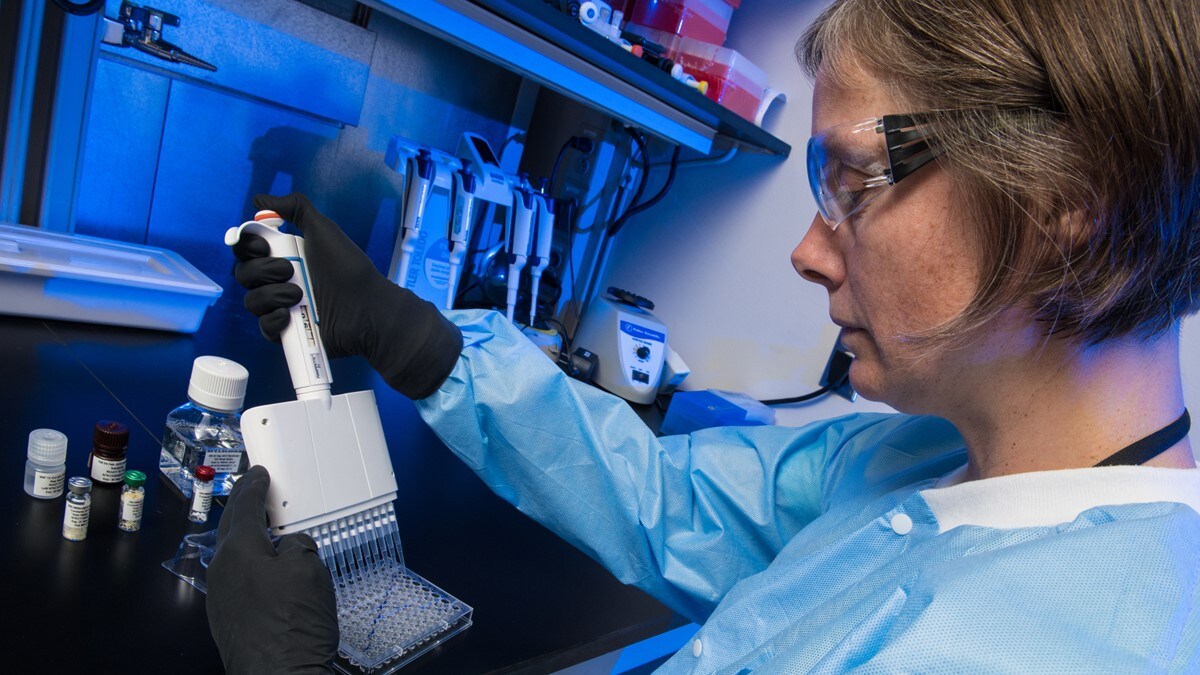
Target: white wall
1190,356
713,255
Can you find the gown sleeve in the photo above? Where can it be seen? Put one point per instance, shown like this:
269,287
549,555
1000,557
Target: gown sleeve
684,518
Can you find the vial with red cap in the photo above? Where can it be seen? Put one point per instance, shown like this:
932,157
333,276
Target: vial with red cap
202,491
110,442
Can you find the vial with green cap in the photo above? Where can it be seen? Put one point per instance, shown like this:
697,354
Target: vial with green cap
133,499
46,469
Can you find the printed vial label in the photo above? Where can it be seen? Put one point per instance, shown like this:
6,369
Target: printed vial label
202,499
223,461
75,521
47,484
131,511
108,470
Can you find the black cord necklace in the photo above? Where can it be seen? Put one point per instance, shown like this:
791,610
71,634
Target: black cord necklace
1140,452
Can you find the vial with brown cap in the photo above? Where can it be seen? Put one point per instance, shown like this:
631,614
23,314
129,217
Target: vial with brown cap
110,441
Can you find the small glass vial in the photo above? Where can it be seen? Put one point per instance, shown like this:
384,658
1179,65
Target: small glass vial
202,493
207,429
79,508
110,441
133,501
46,469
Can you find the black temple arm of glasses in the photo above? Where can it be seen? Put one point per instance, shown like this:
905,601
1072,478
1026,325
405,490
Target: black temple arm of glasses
907,146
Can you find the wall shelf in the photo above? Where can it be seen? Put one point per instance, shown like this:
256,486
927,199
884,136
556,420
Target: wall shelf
539,42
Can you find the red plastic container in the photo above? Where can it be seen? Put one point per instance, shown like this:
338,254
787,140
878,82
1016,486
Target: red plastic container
704,20
733,81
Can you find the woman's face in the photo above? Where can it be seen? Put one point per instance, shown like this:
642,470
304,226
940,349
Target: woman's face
902,265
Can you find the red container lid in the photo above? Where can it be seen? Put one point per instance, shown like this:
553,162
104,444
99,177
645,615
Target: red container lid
706,20
205,473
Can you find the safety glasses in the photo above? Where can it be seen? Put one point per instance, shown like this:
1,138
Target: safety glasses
851,164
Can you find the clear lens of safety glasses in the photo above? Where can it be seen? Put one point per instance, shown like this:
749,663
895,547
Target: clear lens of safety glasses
850,164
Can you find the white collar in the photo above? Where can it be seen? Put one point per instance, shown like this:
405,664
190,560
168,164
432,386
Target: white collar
1044,498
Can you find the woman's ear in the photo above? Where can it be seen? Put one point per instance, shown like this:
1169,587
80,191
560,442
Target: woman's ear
1075,228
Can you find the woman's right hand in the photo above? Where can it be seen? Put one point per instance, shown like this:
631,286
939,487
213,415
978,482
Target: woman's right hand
406,339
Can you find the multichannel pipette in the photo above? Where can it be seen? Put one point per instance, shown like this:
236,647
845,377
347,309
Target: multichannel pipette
331,478
326,454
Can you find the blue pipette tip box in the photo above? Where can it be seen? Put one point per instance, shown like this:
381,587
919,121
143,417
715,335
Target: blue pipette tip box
695,410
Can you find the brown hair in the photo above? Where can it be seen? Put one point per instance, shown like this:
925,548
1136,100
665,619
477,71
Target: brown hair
1072,132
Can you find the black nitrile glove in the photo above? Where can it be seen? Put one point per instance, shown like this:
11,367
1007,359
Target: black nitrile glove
405,339
270,610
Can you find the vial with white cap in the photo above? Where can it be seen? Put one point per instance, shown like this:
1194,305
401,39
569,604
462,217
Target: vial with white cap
206,431
46,468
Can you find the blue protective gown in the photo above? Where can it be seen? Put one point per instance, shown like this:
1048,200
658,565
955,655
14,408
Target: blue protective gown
831,547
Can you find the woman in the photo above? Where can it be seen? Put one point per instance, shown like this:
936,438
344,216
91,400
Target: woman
1009,233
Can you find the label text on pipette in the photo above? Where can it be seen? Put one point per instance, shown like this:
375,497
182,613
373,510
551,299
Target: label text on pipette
308,328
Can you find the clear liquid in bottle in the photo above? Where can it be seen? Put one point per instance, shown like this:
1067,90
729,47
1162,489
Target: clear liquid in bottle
206,431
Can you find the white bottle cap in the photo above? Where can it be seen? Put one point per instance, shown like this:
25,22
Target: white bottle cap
589,13
47,446
218,383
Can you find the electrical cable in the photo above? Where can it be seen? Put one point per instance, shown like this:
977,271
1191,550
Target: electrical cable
583,144
557,160
460,297
566,348
632,211
467,271
605,238
604,243
723,158
663,402
574,283
606,235
626,175
80,8
643,150
799,399
838,376
640,141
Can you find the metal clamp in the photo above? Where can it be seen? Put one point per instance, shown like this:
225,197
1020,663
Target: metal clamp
141,28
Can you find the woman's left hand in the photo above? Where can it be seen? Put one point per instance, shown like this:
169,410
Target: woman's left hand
270,608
